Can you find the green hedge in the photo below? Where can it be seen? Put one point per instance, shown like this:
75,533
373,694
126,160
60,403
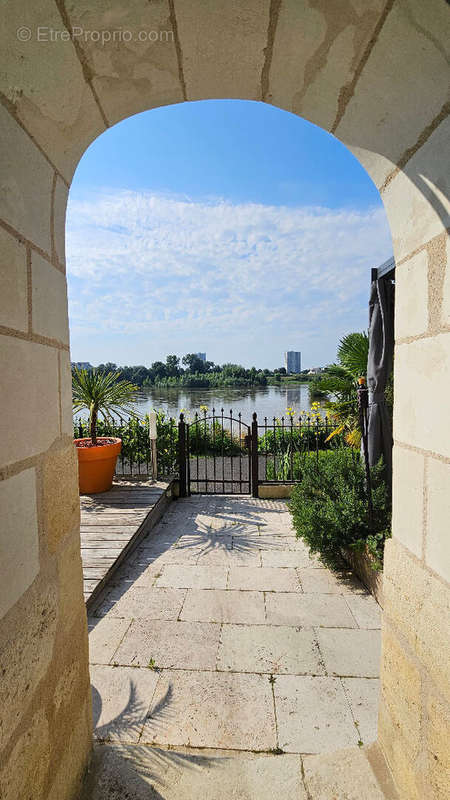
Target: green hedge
329,506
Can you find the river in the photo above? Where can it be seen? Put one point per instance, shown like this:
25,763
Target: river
268,401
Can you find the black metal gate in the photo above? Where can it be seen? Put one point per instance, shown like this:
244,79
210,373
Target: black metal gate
221,454
215,454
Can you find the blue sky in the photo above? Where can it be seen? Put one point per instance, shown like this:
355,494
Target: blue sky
226,226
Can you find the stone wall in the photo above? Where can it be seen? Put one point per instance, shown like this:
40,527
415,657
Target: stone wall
375,74
45,715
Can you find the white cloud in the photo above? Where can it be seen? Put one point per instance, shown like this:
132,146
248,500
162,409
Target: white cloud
177,271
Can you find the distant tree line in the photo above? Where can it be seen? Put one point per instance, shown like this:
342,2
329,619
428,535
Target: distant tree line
192,372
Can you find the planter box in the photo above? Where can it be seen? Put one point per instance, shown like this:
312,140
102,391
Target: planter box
361,566
275,491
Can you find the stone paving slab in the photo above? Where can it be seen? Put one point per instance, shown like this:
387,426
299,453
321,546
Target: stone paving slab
263,579
309,610
138,575
167,644
365,610
223,606
105,635
347,775
212,709
206,541
168,555
141,602
313,714
139,772
350,652
264,648
120,701
193,577
324,581
363,695
236,556
287,558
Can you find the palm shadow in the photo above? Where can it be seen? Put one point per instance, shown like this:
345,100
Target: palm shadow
125,769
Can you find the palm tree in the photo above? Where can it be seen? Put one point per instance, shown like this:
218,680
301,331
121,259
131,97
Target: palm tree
339,384
102,393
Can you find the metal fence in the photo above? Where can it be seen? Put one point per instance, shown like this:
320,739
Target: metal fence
284,443
222,454
218,453
137,456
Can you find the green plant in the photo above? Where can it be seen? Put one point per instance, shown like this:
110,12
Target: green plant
329,505
207,437
101,393
339,384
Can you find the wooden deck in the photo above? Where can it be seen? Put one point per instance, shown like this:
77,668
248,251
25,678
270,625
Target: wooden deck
112,523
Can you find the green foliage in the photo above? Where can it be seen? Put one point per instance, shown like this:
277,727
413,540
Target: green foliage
298,439
136,442
194,373
353,352
288,442
329,505
167,444
338,384
102,393
207,438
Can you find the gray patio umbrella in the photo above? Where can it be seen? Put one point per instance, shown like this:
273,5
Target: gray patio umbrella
379,366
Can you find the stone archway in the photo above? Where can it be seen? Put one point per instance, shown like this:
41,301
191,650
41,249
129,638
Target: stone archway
375,74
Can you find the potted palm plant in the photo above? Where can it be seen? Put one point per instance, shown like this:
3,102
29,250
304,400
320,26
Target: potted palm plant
107,395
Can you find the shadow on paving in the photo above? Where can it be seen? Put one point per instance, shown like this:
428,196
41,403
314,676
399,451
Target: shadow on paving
136,772
230,532
139,772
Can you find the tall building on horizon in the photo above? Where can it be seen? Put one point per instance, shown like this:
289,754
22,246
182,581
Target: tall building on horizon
293,361
201,356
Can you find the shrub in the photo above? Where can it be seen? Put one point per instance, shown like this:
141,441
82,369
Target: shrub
329,506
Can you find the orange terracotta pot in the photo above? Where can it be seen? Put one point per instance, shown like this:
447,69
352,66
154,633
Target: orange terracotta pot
96,465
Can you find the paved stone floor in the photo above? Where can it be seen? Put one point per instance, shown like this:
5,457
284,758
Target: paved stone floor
224,655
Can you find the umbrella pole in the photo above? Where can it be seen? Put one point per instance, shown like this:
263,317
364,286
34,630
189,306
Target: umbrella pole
363,407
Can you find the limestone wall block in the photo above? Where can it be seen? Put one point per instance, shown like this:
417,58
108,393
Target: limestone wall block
25,184
401,689
13,283
49,300
222,45
26,645
23,774
316,52
438,746
69,775
70,588
45,83
129,75
20,554
408,776
418,605
60,495
407,498
411,295
28,398
446,297
437,548
417,200
422,387
400,90
65,388
59,219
